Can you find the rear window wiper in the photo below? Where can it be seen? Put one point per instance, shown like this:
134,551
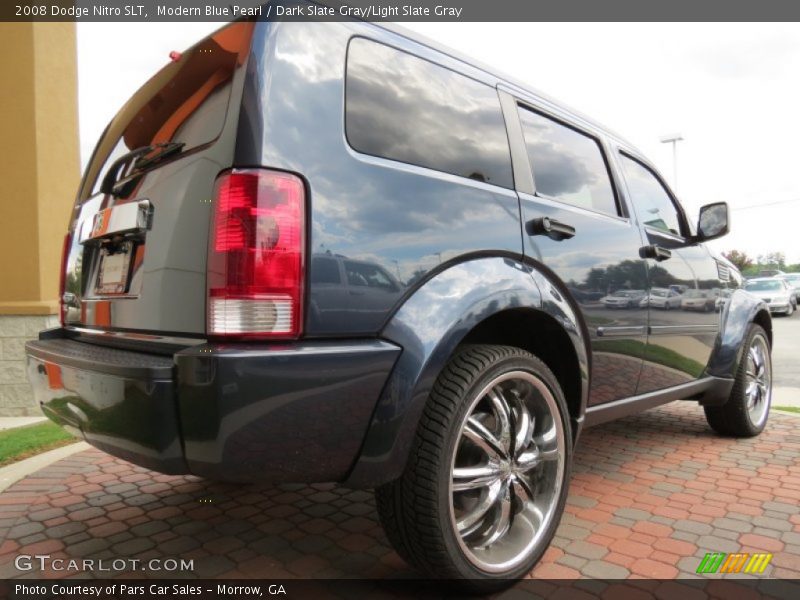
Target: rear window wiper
162,151
135,162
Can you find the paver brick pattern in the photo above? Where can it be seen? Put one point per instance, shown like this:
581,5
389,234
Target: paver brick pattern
649,496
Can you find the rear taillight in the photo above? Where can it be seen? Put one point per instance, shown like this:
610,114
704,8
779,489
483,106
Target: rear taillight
62,282
256,255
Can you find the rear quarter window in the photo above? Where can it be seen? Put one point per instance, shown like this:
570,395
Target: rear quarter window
407,109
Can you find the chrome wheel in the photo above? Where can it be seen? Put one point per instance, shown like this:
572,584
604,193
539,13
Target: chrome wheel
507,471
758,380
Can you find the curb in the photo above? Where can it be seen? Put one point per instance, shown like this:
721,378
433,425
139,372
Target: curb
8,423
785,412
16,471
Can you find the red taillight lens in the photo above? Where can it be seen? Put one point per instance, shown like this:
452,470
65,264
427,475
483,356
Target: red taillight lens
62,282
256,255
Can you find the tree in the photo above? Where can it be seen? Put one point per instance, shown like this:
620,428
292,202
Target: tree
773,259
740,259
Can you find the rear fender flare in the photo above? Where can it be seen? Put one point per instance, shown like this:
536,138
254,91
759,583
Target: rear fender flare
429,326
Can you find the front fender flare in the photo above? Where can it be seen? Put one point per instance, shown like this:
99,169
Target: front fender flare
429,326
741,310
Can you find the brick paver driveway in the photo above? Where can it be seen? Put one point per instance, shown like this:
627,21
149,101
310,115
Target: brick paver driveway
650,495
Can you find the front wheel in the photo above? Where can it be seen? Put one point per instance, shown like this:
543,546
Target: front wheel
746,412
486,479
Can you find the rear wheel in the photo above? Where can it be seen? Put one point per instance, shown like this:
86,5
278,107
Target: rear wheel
746,412
486,480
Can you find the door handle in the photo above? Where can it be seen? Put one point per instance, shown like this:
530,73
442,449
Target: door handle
555,230
655,252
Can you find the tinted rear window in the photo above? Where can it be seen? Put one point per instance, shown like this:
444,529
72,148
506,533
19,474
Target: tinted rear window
404,108
184,102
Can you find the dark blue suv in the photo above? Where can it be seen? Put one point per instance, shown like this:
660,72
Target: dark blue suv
316,252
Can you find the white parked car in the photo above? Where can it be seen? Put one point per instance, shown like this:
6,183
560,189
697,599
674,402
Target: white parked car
623,299
793,279
701,300
661,298
776,292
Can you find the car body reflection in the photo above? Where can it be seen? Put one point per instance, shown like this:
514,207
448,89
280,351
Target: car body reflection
624,299
661,298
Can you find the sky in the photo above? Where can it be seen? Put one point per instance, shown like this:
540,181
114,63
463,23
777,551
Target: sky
731,90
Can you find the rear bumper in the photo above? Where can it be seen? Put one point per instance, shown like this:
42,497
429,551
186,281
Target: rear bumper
295,412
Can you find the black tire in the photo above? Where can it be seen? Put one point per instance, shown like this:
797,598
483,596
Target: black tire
415,509
733,418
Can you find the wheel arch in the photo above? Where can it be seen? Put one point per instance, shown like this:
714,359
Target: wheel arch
741,310
482,299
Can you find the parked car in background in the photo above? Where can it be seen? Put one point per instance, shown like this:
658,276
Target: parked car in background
338,252
702,300
661,298
778,294
793,279
763,273
624,299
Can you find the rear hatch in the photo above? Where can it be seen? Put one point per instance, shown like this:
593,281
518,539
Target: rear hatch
135,257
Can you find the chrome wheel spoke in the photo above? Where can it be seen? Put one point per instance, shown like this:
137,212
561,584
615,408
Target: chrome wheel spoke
528,460
502,520
548,455
522,489
472,478
502,413
478,434
474,516
523,429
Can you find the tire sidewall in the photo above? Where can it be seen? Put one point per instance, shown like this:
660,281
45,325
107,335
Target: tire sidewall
464,566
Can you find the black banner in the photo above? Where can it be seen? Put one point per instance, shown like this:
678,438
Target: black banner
208,589
400,10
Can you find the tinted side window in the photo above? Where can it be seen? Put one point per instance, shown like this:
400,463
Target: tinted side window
566,164
405,108
653,203
367,275
325,270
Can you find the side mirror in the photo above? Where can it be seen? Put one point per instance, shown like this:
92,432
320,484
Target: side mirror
713,221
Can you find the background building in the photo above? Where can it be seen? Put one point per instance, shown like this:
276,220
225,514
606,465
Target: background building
40,169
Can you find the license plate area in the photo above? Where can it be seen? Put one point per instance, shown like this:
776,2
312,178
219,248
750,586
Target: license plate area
113,276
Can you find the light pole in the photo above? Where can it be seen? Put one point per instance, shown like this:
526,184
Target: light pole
673,139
